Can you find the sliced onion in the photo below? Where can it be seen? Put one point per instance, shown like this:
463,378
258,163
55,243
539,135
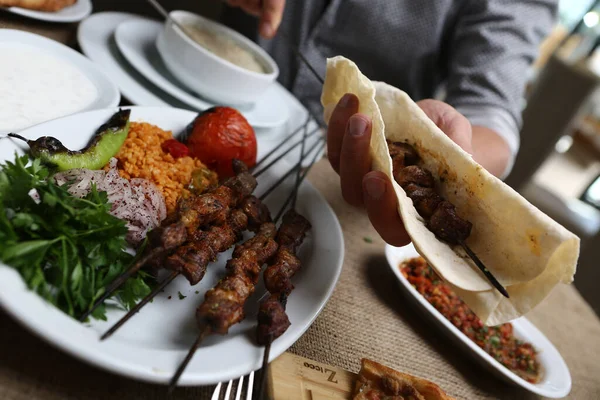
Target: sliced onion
136,201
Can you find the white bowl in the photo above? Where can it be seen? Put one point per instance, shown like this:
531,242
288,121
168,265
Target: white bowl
208,74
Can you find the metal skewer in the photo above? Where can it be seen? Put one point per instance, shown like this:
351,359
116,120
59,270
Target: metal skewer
483,269
269,165
174,274
291,198
264,370
206,330
138,306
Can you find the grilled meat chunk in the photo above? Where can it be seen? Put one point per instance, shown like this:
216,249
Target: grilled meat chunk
448,226
292,231
425,200
278,275
414,174
168,237
223,305
260,244
243,184
272,319
402,155
257,213
192,258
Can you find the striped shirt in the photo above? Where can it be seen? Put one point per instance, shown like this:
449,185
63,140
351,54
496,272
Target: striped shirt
478,51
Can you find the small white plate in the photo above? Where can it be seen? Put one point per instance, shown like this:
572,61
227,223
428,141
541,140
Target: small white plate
75,13
155,341
136,40
556,380
107,92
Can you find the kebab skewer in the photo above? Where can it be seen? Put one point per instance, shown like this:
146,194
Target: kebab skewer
192,258
272,317
193,212
440,214
223,305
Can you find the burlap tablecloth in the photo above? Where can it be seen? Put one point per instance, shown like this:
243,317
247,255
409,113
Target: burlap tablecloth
367,316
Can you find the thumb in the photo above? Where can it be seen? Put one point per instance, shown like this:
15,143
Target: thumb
270,18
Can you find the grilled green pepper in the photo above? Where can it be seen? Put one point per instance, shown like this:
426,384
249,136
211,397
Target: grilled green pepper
105,144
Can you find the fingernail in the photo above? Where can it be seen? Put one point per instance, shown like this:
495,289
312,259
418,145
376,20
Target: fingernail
357,126
346,100
375,188
266,30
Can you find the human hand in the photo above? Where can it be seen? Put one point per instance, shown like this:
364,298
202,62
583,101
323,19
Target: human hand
270,13
348,142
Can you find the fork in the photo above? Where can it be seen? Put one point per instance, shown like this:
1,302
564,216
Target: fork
238,392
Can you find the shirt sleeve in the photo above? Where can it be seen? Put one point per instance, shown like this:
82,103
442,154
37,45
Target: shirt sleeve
494,44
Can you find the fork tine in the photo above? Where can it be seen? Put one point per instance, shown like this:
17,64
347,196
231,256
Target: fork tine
228,391
250,386
217,392
240,386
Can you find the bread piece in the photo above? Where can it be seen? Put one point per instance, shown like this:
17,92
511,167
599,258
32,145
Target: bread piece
376,381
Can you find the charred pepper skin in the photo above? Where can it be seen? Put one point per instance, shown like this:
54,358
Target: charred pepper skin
105,144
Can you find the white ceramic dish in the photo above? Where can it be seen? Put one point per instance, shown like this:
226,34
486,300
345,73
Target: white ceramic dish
556,381
205,72
107,92
154,342
75,13
136,42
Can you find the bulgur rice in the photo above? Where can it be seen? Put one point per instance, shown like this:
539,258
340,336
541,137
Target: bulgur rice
141,156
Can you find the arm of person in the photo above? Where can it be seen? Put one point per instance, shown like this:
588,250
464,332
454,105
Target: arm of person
491,151
489,55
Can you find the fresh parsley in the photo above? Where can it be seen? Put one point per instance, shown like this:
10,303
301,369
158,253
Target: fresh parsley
67,249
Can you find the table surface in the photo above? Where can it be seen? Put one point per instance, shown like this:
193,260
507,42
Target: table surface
367,316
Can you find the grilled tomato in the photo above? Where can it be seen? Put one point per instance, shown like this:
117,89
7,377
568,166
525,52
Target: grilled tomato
219,135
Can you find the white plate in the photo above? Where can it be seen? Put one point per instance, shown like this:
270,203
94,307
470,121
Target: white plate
136,40
75,13
556,381
107,92
154,342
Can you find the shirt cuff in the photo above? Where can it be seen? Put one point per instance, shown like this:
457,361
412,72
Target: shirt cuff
501,122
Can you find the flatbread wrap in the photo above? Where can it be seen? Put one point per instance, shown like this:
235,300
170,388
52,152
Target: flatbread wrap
527,251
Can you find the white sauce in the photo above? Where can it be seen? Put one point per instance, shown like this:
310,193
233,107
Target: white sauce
36,87
224,47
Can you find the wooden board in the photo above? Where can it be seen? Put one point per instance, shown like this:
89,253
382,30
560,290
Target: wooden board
292,377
